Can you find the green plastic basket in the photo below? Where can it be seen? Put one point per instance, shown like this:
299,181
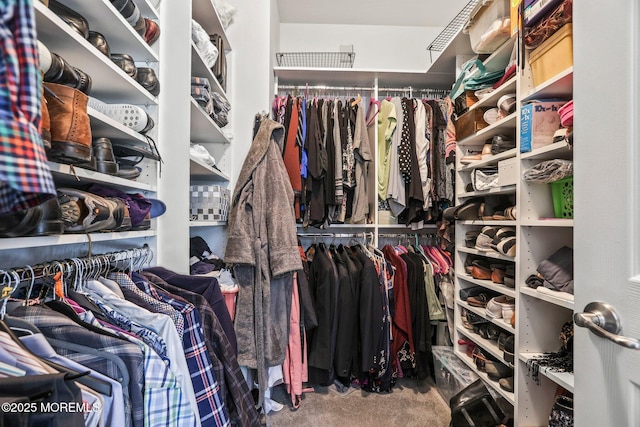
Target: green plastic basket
562,194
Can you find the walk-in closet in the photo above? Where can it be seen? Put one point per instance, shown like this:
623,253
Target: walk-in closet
285,213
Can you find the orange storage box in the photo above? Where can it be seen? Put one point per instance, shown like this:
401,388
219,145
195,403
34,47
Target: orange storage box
553,56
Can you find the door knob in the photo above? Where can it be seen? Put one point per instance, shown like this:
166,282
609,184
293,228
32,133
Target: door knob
602,319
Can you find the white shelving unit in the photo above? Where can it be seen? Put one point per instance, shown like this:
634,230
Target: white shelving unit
539,315
203,129
111,85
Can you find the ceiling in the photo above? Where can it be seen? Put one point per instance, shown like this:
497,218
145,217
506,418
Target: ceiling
414,13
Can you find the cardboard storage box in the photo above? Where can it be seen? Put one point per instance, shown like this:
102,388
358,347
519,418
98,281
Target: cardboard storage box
553,56
538,122
507,172
452,375
209,203
470,123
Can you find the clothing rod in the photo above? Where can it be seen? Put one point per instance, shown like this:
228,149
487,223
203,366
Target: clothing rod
323,87
408,235
363,88
333,234
47,268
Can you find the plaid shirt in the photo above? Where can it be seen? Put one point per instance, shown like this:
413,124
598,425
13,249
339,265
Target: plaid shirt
164,402
25,179
130,366
208,393
160,307
147,335
238,398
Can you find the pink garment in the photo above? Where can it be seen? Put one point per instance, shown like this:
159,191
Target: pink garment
295,366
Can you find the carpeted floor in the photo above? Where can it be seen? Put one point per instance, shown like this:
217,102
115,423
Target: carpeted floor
410,404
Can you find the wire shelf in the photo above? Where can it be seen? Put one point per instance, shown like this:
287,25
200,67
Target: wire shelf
316,59
444,38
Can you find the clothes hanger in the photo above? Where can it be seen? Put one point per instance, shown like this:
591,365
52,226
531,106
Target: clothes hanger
93,383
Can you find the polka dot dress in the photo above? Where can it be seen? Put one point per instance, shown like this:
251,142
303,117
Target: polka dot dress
404,148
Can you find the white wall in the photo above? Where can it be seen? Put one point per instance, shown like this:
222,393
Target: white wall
376,47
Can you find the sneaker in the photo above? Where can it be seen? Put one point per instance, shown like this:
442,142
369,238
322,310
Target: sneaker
84,212
496,306
128,115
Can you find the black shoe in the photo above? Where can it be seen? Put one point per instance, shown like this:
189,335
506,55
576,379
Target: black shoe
148,79
62,73
125,62
51,221
103,153
100,43
71,17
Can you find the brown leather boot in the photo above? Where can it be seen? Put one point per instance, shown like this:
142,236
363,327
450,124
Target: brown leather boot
70,128
45,121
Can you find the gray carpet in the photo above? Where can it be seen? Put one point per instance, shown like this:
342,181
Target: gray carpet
410,404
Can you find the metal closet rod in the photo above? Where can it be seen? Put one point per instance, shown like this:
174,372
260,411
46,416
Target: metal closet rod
368,234
363,88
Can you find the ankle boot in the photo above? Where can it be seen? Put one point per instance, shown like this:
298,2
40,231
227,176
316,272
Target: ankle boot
70,128
45,121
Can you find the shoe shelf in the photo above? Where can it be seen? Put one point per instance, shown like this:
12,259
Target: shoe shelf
201,170
490,346
207,223
71,239
480,312
205,12
103,18
498,190
508,396
483,222
488,254
203,128
491,100
559,86
557,150
563,379
488,284
489,160
503,126
199,69
557,300
104,126
109,82
65,175
547,222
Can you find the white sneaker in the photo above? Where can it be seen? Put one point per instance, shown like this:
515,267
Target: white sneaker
128,115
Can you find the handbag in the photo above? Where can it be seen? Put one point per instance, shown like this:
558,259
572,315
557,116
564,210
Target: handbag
474,81
473,406
561,412
484,179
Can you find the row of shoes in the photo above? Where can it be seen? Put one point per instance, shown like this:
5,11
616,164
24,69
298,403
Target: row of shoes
494,238
145,27
211,102
498,272
488,208
485,362
492,146
98,209
496,306
67,135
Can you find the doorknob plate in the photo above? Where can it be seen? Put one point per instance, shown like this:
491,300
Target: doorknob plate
604,315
